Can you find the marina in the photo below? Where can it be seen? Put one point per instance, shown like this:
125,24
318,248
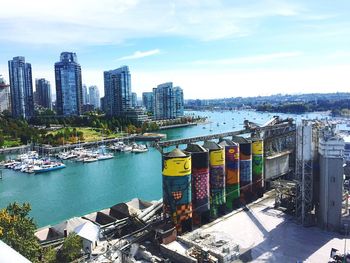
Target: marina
82,188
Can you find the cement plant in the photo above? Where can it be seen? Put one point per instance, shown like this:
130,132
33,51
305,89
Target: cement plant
270,193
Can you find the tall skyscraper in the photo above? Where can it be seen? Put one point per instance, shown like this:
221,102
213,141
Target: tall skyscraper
179,101
21,83
117,86
94,97
147,101
69,94
164,102
43,91
168,101
133,99
85,95
4,95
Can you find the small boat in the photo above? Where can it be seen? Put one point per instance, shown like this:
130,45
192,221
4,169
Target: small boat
47,167
139,148
106,156
67,156
126,148
10,164
90,159
118,146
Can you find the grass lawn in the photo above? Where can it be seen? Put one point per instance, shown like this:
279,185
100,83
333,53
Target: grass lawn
92,134
12,143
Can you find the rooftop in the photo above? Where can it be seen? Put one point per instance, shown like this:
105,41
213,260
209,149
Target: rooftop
265,234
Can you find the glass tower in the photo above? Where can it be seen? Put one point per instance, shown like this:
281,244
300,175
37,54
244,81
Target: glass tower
179,101
4,95
117,86
94,96
168,101
21,88
147,101
164,102
43,90
69,94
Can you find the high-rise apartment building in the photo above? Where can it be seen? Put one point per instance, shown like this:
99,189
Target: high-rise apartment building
94,97
21,88
69,94
164,102
85,95
147,101
179,101
133,99
4,95
117,86
43,93
168,101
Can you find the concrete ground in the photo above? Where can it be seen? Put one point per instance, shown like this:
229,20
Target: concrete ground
265,234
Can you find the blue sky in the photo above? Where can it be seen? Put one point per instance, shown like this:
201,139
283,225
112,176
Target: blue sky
210,48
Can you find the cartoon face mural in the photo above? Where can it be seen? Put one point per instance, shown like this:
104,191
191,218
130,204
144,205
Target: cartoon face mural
217,157
177,166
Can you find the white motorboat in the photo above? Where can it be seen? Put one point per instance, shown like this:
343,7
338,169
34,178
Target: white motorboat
139,148
106,156
90,159
48,167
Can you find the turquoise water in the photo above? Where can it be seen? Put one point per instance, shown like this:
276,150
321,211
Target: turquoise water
83,188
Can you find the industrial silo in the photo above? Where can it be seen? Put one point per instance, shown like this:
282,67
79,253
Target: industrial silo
245,168
258,167
177,189
200,183
231,172
216,177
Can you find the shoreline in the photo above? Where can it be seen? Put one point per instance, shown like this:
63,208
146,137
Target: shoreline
178,125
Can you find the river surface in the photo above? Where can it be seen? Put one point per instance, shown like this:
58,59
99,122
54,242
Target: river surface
83,188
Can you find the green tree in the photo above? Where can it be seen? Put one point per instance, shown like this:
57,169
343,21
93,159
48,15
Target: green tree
2,140
17,230
49,255
71,248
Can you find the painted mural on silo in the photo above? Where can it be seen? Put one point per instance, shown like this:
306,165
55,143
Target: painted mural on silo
200,182
177,194
258,167
231,172
245,167
216,176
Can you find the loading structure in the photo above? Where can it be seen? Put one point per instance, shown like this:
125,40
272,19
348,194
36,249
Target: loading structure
177,192
219,163
231,173
200,183
216,177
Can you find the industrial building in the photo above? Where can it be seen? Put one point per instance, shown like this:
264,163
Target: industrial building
239,196
301,163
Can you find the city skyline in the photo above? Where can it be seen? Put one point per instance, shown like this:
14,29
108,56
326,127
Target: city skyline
240,49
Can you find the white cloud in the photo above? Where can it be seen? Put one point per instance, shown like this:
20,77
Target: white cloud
206,84
263,58
112,21
339,54
141,54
